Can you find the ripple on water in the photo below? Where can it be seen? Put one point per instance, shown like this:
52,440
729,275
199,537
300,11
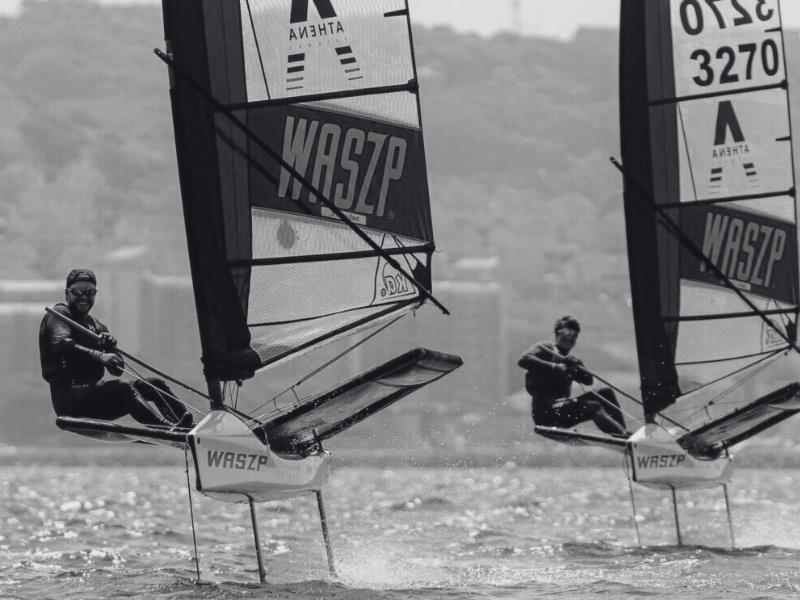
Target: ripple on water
400,533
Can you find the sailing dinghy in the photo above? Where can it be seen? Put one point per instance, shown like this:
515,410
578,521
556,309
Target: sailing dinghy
305,197
711,222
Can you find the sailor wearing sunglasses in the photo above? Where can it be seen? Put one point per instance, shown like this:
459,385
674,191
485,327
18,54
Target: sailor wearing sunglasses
73,363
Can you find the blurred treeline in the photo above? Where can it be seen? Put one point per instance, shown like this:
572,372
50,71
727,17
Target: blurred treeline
518,131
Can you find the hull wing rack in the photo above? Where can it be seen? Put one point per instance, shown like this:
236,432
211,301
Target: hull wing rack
328,413
111,431
579,438
769,410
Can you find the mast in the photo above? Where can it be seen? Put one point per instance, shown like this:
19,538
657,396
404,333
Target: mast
648,244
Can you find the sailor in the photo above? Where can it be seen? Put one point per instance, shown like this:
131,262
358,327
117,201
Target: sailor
550,373
73,363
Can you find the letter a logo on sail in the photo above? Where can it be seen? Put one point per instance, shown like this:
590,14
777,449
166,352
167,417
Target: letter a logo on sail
306,32
730,146
727,122
300,10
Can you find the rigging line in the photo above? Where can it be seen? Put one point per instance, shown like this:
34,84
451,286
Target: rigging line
673,228
764,360
406,255
610,404
392,305
377,271
716,399
318,370
143,400
353,327
137,375
730,358
688,154
127,355
617,389
348,350
294,173
258,48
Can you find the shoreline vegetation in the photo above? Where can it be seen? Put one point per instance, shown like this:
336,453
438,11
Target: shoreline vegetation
518,131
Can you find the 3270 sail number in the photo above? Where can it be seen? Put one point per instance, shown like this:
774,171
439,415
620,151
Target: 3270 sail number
694,22
731,65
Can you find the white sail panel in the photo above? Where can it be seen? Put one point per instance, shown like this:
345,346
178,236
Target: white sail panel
724,338
735,145
347,284
721,46
397,108
309,47
698,299
722,395
281,235
273,344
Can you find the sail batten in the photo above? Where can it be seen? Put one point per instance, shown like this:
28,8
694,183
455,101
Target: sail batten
791,192
329,257
736,315
305,198
710,205
680,99
410,86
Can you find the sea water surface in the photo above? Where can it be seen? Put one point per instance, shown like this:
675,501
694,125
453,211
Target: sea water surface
497,532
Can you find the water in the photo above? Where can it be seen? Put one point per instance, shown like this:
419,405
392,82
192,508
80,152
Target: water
502,532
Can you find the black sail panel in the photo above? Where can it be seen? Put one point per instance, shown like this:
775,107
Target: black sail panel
651,251
216,229
306,109
706,145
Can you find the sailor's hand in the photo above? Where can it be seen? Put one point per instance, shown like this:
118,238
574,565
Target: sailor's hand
107,341
559,368
573,361
112,362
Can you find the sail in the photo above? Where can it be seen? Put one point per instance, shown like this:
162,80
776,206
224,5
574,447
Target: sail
296,122
707,155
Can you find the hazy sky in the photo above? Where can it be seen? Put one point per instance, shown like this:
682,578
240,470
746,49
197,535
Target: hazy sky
557,18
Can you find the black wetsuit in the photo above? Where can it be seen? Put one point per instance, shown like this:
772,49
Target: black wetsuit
550,388
71,364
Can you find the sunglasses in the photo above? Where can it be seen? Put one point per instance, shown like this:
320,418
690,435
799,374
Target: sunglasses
87,292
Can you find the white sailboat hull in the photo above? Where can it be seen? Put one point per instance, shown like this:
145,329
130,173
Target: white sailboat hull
233,465
658,461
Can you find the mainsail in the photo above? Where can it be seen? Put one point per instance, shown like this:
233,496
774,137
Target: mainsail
291,118
709,197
